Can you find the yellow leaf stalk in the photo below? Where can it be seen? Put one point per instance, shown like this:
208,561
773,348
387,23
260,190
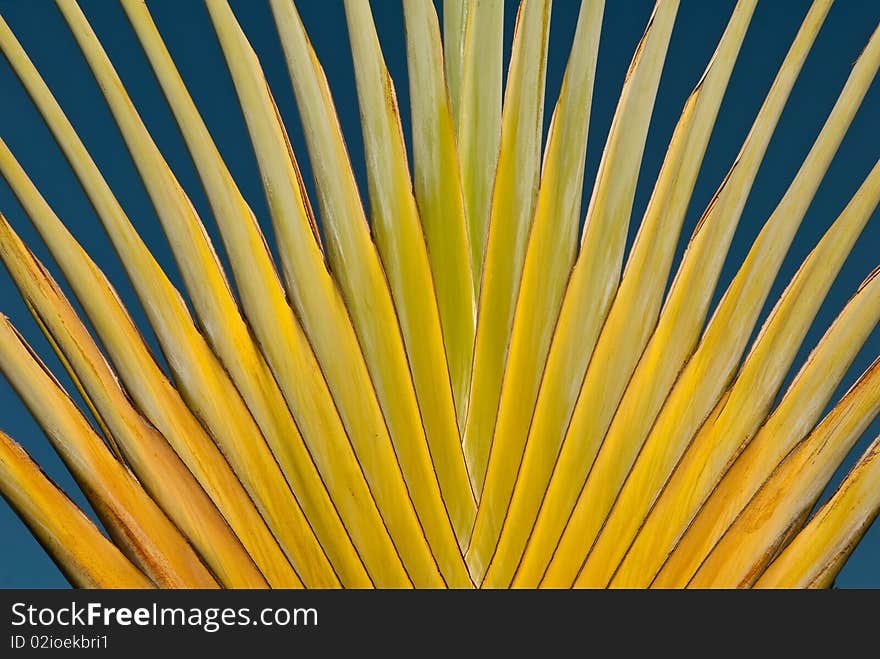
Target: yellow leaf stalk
479,121
512,207
398,235
816,554
755,388
82,553
136,524
276,328
454,386
159,469
438,192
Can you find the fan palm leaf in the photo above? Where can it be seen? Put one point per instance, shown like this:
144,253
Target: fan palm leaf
465,383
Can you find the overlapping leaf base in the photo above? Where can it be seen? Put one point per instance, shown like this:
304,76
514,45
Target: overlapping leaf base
463,392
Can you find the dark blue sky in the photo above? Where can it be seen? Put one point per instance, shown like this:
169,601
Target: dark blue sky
187,31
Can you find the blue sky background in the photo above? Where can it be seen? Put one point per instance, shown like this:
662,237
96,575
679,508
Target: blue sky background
187,31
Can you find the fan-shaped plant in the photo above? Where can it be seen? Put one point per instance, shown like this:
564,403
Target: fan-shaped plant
464,391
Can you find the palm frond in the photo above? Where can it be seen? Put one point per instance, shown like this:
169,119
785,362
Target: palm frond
569,403
87,558
455,386
479,122
131,517
817,553
510,216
